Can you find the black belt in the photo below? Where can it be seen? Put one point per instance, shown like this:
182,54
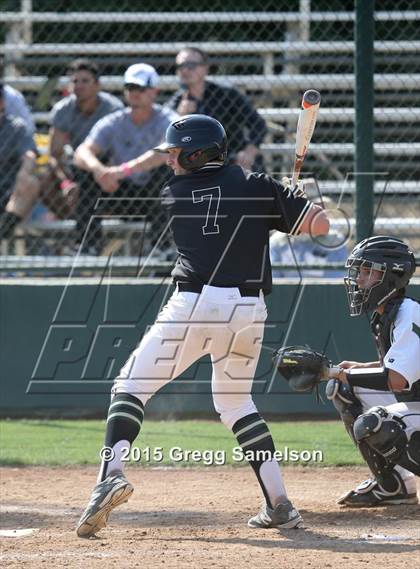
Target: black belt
191,287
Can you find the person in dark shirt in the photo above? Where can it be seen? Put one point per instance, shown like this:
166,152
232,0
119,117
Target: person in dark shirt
221,220
245,128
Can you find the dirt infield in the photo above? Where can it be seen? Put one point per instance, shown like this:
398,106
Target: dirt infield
196,518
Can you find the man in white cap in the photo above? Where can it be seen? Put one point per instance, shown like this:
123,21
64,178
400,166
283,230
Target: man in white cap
127,138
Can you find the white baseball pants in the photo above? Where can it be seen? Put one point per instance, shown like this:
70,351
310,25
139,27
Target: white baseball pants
219,322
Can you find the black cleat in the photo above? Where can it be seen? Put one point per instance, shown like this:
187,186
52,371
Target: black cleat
370,494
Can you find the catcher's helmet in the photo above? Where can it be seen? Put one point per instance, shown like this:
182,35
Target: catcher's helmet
395,263
200,137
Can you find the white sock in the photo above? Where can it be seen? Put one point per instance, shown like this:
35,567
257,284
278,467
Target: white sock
272,479
115,463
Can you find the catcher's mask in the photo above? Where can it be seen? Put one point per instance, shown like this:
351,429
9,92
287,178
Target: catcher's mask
201,139
377,268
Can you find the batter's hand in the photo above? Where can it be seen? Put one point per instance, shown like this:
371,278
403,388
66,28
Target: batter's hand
298,190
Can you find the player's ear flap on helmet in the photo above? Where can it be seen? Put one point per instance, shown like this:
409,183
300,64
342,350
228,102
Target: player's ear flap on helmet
194,156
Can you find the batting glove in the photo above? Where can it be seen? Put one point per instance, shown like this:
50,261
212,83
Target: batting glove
298,190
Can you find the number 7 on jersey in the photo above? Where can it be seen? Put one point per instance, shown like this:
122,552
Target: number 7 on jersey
213,195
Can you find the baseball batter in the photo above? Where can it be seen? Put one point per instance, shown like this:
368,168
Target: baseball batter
221,216
379,402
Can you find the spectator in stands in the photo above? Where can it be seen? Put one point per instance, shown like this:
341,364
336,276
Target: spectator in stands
17,158
72,119
127,137
15,105
309,250
245,128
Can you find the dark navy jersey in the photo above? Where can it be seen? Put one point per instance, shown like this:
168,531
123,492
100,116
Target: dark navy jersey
221,219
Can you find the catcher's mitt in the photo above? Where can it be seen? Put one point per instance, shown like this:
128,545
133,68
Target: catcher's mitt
302,367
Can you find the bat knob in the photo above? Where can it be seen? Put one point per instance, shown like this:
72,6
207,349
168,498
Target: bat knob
311,97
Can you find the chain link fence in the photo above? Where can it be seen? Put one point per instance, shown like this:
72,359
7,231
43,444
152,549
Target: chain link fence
270,51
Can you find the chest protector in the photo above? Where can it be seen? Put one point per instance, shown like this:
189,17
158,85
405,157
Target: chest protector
382,326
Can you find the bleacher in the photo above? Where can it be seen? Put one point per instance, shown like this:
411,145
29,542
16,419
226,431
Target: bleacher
272,73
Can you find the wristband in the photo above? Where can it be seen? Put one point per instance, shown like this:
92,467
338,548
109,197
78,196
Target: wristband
370,378
65,183
127,170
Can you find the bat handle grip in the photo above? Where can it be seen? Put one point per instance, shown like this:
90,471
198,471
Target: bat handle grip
296,170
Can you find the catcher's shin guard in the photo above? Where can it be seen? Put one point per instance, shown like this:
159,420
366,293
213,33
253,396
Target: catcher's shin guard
385,435
387,478
410,459
350,408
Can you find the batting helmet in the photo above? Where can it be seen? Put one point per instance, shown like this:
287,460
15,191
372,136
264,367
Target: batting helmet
201,139
395,264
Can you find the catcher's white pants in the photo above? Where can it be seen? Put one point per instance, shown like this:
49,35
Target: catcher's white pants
219,322
410,412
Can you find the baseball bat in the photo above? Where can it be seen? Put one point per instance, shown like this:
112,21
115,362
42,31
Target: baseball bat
305,128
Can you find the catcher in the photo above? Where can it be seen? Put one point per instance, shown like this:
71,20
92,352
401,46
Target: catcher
378,402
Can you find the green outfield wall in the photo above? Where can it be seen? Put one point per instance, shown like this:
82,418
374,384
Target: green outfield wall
62,343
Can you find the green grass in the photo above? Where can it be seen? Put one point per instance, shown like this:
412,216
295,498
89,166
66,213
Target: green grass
60,442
